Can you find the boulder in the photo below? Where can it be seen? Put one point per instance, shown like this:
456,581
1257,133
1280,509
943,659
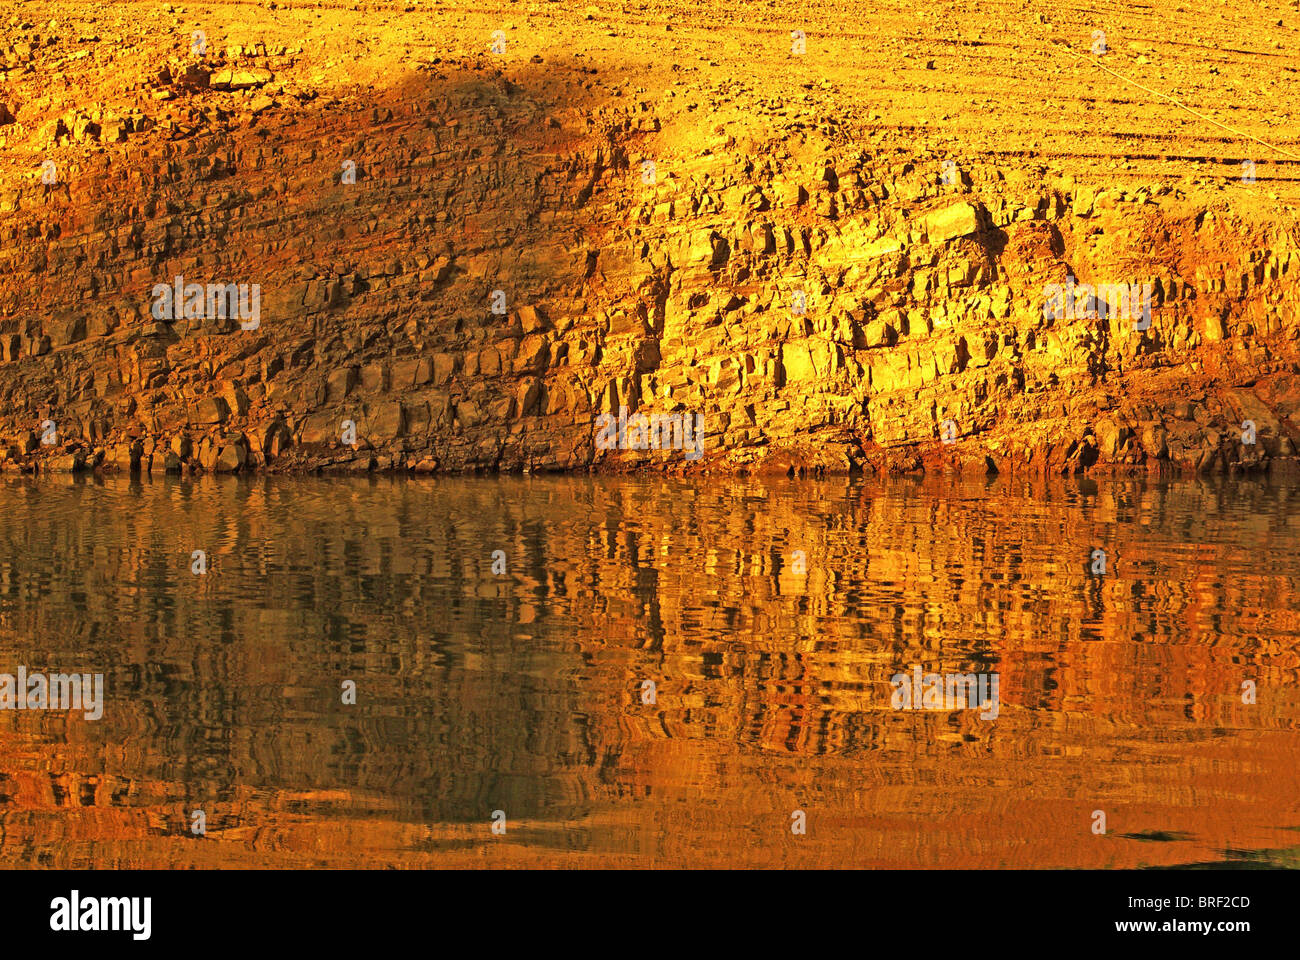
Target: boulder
958,220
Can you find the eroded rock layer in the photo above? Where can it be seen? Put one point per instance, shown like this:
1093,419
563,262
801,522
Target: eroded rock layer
471,232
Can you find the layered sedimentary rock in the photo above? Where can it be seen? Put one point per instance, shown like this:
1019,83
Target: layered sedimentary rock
458,247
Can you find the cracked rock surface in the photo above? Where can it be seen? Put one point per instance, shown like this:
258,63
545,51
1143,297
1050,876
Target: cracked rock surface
473,231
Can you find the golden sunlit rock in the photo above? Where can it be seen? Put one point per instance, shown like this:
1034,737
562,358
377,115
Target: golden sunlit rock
239,227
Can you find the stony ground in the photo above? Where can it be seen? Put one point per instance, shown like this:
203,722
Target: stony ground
825,228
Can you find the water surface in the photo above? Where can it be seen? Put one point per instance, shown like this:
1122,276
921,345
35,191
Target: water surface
523,692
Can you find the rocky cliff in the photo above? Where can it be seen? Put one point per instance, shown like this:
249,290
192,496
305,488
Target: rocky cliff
443,238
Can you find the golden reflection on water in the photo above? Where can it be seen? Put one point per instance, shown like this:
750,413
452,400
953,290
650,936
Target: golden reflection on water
523,692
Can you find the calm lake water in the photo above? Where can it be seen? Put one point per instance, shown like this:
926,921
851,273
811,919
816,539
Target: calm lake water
524,692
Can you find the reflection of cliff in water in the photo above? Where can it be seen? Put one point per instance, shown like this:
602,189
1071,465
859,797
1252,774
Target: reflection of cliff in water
523,692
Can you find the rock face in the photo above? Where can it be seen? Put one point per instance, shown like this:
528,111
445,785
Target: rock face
248,261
